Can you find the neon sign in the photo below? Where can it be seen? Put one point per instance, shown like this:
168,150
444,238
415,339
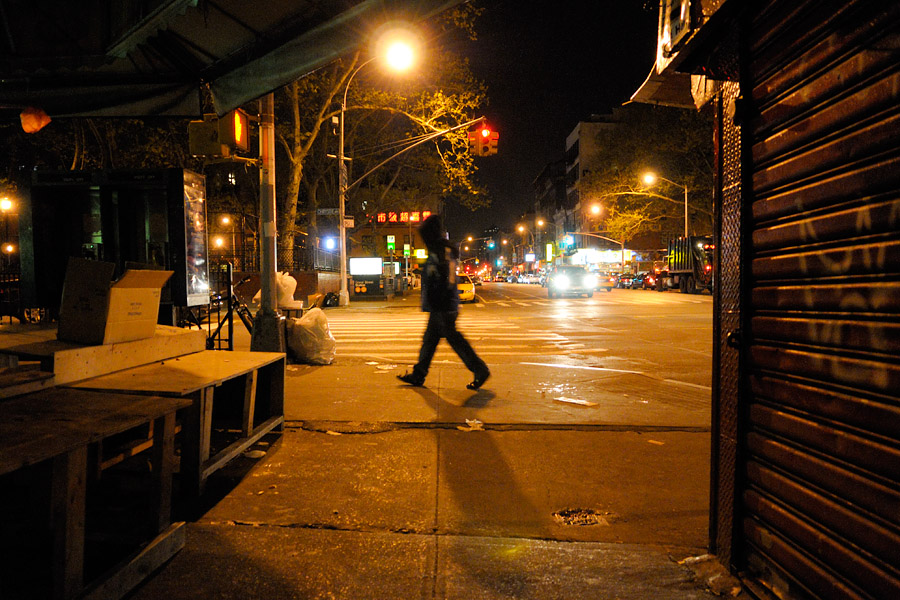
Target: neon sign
413,216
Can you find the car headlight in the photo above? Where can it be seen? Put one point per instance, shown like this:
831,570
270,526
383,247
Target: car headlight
562,282
590,281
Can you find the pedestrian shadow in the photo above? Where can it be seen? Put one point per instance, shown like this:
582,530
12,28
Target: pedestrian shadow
478,495
480,399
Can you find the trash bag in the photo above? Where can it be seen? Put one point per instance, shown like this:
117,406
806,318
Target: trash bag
286,285
331,300
309,339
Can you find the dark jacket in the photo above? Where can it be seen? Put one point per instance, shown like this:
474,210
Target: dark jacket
439,290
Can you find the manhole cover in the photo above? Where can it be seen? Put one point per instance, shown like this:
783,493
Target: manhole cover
581,517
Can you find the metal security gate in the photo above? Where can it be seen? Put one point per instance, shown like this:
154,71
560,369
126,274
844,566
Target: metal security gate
819,468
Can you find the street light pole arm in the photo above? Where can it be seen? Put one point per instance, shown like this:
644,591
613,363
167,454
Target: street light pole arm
682,186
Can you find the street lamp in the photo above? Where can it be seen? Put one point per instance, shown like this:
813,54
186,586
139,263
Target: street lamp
650,179
6,205
398,54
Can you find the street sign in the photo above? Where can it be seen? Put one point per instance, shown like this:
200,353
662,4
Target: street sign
348,223
328,211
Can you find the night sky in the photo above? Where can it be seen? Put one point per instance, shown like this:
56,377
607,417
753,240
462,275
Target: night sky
547,66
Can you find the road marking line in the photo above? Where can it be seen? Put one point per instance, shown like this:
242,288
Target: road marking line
585,368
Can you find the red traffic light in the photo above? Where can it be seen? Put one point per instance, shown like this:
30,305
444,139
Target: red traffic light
485,132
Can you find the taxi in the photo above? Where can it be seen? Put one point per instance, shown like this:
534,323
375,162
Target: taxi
466,288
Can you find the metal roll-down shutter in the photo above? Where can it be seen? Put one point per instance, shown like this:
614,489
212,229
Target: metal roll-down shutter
820,474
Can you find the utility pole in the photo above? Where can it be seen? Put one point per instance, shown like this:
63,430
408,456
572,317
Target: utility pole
268,333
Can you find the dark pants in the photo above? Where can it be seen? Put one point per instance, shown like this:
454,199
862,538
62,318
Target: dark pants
443,325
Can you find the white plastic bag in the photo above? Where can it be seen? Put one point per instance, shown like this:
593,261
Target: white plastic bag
286,286
309,339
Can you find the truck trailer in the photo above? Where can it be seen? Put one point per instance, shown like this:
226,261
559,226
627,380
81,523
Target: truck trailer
689,265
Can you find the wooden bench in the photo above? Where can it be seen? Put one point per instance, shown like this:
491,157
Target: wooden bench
58,425
256,387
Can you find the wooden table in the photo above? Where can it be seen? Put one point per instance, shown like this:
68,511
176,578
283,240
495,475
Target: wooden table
259,390
58,425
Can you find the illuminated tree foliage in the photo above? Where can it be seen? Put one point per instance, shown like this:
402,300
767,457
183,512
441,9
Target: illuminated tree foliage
676,144
384,115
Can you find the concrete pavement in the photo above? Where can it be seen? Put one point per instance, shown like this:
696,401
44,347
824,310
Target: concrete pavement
381,490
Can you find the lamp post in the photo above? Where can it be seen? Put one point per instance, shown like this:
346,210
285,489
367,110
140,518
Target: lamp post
650,179
399,56
6,206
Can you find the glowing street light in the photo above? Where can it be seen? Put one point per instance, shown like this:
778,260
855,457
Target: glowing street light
650,178
396,48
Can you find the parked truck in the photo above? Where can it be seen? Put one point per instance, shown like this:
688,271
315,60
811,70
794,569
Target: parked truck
689,265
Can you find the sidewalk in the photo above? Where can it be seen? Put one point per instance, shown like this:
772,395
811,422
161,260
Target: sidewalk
378,490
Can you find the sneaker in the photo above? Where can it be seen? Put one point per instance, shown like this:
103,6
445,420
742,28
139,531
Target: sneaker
411,379
479,380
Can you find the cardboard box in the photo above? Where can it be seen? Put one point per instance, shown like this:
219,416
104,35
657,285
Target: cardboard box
94,311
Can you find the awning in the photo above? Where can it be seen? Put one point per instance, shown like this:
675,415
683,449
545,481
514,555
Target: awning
96,58
666,89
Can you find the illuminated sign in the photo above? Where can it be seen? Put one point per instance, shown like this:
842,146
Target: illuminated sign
366,266
404,216
529,257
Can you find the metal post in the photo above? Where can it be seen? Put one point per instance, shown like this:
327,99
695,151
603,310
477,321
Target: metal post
685,214
268,334
344,297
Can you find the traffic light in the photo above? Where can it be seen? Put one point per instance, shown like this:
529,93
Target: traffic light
474,143
490,141
483,141
220,137
234,130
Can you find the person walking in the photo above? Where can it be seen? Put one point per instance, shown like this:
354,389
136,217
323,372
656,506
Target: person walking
440,298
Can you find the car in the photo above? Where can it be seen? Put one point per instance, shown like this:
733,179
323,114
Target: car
571,279
644,281
606,281
512,279
531,278
624,280
466,288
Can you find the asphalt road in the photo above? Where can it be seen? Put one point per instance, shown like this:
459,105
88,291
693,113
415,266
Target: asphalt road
644,356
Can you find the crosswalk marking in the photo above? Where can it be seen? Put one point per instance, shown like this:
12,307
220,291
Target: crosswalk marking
397,337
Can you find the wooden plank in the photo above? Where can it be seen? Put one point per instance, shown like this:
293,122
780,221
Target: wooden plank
229,453
126,576
206,412
183,375
249,403
92,361
162,461
73,362
15,382
39,426
68,491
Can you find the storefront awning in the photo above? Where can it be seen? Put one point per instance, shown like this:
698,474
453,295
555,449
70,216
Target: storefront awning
98,58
